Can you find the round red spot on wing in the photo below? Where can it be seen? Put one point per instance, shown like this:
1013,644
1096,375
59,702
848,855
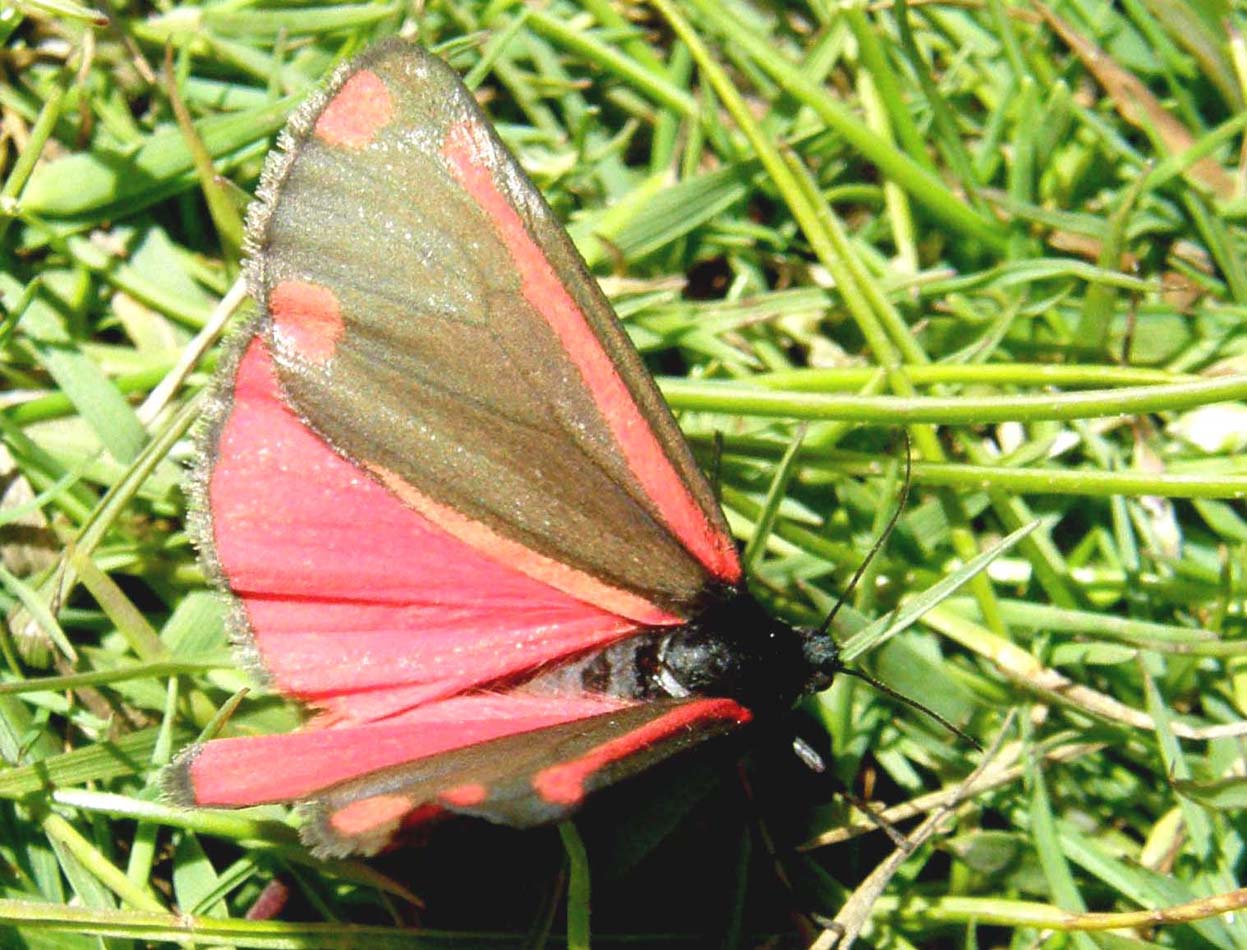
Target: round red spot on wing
353,117
380,812
561,784
306,318
465,796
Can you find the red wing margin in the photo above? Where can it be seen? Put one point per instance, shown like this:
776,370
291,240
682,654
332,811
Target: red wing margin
515,758
432,321
254,770
521,780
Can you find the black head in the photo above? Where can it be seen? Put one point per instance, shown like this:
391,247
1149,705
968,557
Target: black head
736,649
822,658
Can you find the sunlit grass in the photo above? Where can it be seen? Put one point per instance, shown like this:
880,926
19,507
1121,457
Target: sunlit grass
1016,231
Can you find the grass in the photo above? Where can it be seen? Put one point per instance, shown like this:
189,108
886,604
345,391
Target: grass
1016,231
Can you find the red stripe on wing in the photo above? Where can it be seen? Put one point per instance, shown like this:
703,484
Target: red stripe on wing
564,783
520,779
464,148
257,769
331,566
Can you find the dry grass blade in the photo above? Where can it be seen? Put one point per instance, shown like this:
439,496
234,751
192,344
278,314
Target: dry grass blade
855,913
1136,104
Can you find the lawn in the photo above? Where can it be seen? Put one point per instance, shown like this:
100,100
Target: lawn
978,262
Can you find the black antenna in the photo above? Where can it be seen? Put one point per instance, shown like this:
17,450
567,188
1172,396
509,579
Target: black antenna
825,627
912,703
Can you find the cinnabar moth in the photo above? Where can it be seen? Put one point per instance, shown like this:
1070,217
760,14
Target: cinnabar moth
453,511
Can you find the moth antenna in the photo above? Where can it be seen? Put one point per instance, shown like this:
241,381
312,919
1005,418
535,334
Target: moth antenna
913,704
821,635
825,627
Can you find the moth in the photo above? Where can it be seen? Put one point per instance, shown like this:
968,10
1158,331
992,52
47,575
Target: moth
451,509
